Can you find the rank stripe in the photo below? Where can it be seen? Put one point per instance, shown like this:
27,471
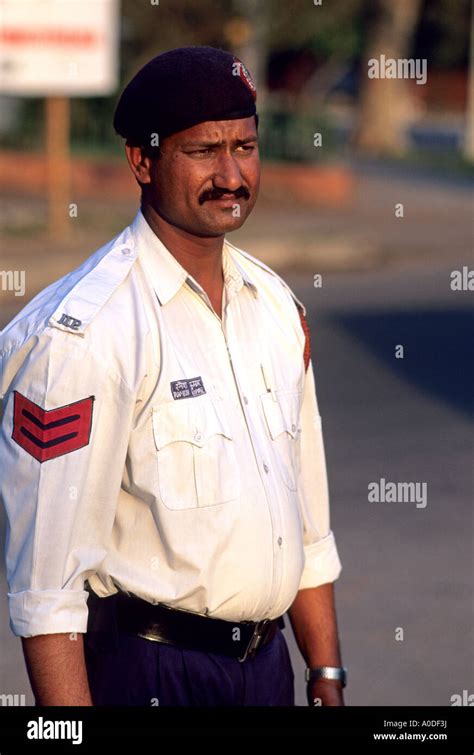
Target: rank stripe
49,425
45,440
46,443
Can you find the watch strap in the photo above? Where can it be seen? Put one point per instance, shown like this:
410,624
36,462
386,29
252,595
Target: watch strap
336,673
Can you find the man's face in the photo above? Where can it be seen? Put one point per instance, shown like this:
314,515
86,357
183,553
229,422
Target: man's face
206,180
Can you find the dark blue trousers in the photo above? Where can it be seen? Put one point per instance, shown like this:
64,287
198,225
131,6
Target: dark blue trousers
133,671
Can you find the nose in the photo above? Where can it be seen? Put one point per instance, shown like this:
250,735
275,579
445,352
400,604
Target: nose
227,175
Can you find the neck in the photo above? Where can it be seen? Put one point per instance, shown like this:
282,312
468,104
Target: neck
200,256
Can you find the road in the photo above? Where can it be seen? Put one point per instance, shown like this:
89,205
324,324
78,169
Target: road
405,567
406,420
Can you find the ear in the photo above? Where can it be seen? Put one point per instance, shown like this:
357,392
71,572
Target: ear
139,163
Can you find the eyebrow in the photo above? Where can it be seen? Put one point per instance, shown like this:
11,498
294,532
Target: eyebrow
204,143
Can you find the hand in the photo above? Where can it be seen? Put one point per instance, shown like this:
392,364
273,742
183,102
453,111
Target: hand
325,692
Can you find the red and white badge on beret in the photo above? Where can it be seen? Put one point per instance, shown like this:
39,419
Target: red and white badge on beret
244,74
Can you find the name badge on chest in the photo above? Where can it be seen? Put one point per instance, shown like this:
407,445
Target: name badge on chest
187,388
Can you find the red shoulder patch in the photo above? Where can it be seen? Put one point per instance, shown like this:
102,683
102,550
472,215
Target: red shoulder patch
307,341
46,434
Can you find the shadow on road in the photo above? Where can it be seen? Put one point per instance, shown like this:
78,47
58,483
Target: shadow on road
437,356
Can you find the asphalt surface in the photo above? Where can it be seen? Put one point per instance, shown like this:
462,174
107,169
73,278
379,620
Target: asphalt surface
405,567
405,420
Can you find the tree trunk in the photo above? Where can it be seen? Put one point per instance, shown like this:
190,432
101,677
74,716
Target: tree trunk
385,104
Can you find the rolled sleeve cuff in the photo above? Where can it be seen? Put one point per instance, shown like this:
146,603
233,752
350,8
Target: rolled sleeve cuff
35,612
322,564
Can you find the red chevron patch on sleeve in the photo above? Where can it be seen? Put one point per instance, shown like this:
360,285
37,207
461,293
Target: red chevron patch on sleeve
307,341
46,434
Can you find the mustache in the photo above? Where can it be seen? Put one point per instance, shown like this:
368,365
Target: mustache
218,193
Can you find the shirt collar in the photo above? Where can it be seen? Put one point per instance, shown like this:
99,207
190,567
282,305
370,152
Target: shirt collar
235,275
168,275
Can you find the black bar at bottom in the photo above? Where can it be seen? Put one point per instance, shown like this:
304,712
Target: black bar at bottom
70,729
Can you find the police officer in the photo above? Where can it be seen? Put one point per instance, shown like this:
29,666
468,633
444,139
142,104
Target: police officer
162,461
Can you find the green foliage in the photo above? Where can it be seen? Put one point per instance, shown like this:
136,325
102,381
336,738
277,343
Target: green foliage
149,29
330,30
289,137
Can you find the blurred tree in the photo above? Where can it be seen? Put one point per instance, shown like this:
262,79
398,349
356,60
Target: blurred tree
148,30
248,38
385,103
330,29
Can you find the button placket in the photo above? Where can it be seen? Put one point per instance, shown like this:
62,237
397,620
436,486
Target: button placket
267,478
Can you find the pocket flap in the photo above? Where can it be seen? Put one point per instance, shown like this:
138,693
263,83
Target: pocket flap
190,420
282,414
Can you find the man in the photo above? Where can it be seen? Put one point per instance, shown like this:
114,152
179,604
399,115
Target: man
162,464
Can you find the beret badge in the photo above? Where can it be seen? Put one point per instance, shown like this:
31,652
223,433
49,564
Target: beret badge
244,74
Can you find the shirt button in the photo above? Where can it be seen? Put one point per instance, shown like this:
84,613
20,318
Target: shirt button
280,540
246,400
126,251
293,427
198,437
266,467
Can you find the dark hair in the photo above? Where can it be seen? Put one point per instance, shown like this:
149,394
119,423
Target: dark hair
154,153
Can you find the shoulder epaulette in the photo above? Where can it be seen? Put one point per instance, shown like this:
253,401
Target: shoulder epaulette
87,297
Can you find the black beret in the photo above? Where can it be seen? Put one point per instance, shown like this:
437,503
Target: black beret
183,87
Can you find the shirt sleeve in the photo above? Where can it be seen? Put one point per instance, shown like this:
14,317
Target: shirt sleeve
322,563
63,445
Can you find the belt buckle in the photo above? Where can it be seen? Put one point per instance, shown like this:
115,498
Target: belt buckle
255,640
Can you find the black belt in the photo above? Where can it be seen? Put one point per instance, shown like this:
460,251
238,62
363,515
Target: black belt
193,631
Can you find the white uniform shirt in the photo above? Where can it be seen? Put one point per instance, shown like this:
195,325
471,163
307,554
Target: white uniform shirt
157,449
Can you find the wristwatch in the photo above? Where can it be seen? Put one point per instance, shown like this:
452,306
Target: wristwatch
338,673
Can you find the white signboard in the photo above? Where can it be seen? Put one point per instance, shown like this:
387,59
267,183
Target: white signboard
58,47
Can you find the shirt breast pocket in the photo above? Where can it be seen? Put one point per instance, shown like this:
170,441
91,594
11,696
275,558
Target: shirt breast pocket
282,414
197,463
